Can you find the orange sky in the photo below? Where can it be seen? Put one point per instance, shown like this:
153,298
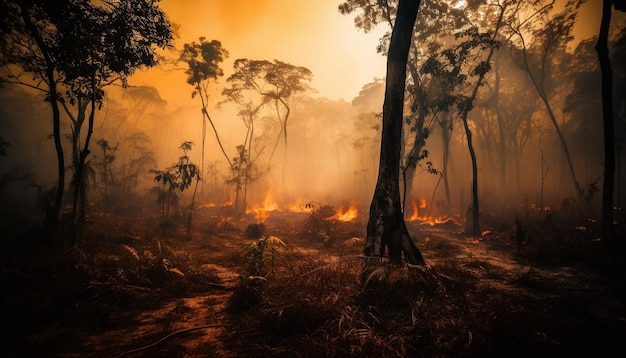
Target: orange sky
308,33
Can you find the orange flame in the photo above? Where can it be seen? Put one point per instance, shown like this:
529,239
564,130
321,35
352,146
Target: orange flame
268,205
425,219
415,215
298,207
348,215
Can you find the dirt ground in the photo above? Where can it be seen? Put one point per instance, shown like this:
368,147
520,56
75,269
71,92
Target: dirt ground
135,289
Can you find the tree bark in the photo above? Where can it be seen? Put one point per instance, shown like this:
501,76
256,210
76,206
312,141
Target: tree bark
52,213
607,114
386,222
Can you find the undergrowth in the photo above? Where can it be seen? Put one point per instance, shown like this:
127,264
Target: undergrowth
362,307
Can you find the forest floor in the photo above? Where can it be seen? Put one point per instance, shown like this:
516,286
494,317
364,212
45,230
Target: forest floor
539,286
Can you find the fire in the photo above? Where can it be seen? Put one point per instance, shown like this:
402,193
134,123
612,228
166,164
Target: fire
415,214
348,215
425,219
268,205
298,207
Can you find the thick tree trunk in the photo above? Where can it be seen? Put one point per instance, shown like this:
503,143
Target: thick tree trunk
607,114
386,222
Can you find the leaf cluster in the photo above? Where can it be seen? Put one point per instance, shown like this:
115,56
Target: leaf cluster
260,253
275,80
203,59
85,44
180,175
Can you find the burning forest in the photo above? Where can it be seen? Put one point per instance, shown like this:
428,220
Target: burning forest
410,178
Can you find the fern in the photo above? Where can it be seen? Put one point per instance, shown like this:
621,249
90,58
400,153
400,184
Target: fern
132,252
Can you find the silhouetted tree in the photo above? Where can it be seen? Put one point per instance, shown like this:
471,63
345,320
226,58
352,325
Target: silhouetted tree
179,177
248,110
203,59
549,33
608,231
276,82
78,47
386,222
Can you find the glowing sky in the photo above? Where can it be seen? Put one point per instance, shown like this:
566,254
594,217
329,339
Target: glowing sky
309,33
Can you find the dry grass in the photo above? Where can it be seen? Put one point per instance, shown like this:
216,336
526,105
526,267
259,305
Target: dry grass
309,304
361,308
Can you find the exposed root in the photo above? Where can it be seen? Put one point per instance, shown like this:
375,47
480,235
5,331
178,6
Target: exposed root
168,337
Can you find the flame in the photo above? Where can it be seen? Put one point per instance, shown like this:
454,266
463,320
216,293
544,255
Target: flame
268,205
425,219
415,215
298,207
349,214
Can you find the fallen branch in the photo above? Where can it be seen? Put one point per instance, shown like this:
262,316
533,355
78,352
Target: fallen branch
166,338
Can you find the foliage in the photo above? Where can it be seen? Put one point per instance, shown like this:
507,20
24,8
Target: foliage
120,168
321,225
243,171
260,253
203,60
69,51
179,177
274,82
407,310
256,254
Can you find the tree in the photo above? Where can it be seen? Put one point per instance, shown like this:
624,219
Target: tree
386,222
275,82
550,34
248,109
203,59
242,172
608,232
77,47
179,177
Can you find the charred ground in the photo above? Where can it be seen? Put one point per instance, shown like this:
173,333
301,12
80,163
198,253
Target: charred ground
538,285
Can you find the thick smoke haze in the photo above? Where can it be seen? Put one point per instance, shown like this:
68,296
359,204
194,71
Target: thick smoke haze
334,131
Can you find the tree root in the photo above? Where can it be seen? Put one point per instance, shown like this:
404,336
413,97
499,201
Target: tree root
166,338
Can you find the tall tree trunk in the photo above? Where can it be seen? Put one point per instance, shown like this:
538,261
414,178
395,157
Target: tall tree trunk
602,49
419,141
51,219
414,157
446,136
476,231
52,214
538,84
79,208
386,222
504,188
